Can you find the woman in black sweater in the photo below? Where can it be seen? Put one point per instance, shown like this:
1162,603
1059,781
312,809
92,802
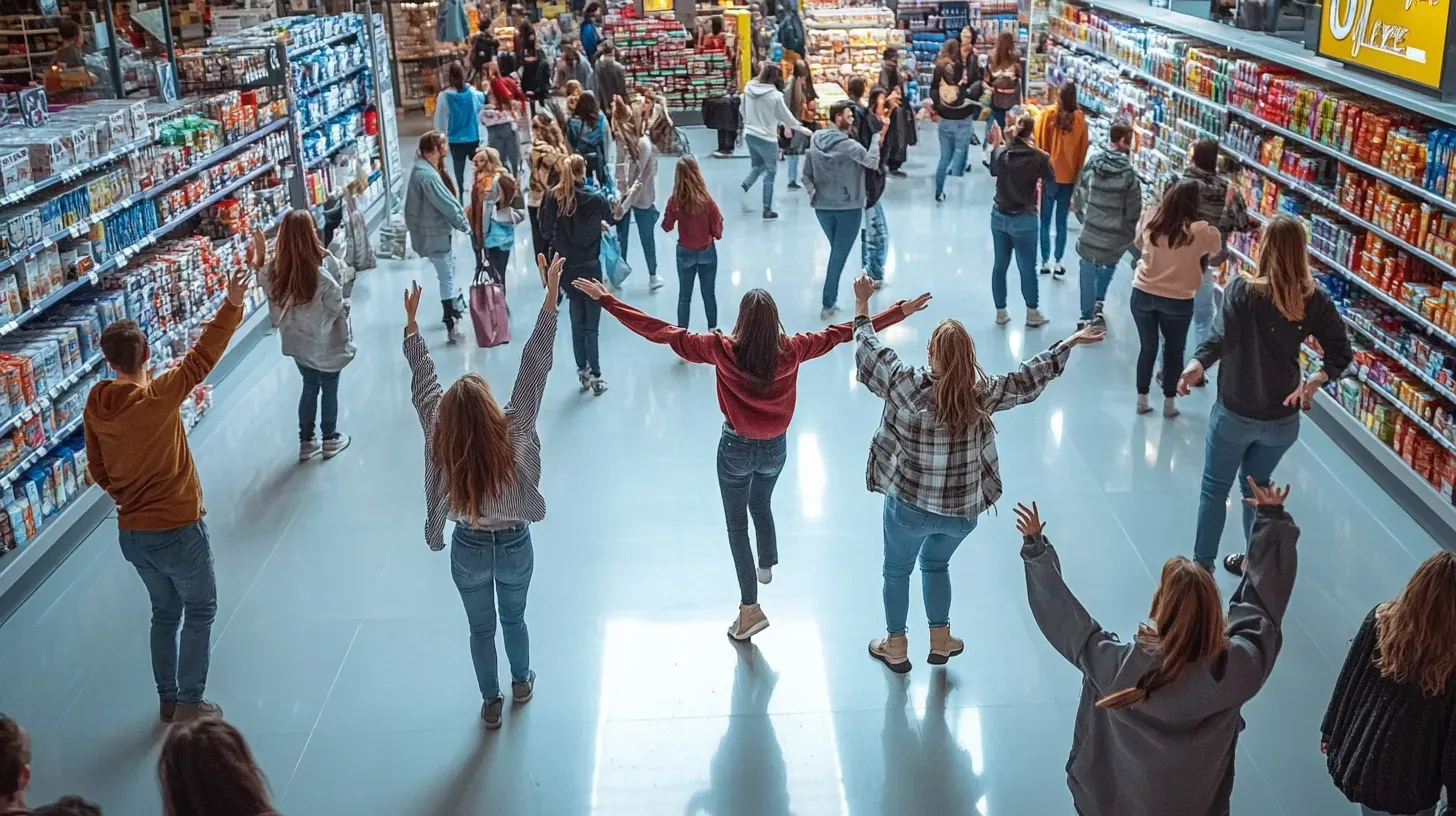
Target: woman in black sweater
1390,732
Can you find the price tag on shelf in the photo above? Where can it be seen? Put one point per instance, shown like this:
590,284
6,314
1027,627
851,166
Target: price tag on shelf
92,276
39,453
8,327
27,414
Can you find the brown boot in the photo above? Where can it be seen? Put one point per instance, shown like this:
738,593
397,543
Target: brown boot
942,646
204,710
891,650
167,711
750,621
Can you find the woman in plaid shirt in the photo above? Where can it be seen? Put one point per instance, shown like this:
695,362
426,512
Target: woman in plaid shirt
934,459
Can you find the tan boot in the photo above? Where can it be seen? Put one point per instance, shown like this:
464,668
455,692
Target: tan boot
942,646
750,621
891,650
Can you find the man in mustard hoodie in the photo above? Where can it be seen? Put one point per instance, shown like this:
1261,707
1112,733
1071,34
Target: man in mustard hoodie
137,451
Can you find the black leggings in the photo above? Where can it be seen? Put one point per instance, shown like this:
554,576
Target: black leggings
539,244
726,140
1154,314
499,260
460,155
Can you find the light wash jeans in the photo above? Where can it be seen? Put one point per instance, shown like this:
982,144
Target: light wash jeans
763,153
445,274
1205,309
910,533
1095,278
1242,447
874,243
486,564
840,227
955,141
1014,234
1056,200
646,218
176,567
793,167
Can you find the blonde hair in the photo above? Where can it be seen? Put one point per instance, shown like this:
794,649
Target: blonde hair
955,398
487,160
573,93
1416,632
571,171
435,140
626,128
545,128
1284,266
472,447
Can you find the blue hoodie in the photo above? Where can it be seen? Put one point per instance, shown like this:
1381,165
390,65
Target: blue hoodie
457,114
586,140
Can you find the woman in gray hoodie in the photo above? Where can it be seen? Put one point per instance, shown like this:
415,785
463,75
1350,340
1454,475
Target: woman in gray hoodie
1159,719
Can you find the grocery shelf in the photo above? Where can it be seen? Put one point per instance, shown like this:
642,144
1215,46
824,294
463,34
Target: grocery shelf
224,152
1409,414
312,47
1241,256
331,115
1385,297
73,173
36,454
1138,73
1382,346
58,389
324,83
331,152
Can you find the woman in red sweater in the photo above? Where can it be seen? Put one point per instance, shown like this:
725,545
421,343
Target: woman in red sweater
758,373
699,224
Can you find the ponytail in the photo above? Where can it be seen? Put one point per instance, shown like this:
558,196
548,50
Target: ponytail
571,171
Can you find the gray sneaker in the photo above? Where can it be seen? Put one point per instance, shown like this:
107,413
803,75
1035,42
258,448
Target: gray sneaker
335,445
490,711
308,449
521,692
204,710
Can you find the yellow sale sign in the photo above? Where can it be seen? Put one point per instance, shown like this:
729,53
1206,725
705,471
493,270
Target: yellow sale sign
1402,38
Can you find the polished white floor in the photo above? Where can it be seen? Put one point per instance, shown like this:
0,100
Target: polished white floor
340,644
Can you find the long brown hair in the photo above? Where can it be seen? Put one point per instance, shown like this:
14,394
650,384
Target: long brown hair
507,187
1066,105
1173,219
544,128
1284,266
435,140
455,75
570,171
1417,631
472,446
758,336
206,769
1186,625
626,129
949,60
688,188
955,398
1004,53
296,264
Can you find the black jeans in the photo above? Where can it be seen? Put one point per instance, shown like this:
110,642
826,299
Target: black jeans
460,155
315,382
539,244
726,139
586,316
499,260
1171,316
748,469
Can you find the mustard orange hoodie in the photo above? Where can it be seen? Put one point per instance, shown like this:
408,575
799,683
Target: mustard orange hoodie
1067,148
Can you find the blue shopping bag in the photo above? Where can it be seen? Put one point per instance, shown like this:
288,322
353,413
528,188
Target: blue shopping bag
614,266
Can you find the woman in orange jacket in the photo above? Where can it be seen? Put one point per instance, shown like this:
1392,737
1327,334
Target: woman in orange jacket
1062,132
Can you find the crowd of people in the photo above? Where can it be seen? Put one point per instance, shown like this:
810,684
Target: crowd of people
1160,714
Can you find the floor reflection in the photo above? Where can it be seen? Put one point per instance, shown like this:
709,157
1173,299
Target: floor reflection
747,775
935,768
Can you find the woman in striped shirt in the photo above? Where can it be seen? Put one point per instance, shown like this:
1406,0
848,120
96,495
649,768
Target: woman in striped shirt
483,471
934,459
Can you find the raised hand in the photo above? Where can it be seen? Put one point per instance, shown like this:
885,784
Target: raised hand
411,308
914,305
1028,520
551,277
591,287
1192,374
1266,495
864,287
1087,335
258,252
237,286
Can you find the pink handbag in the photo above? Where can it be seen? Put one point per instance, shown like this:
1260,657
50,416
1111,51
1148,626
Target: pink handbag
488,311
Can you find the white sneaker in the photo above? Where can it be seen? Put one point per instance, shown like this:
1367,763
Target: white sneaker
1058,270
1035,319
334,446
1170,407
1142,404
454,335
748,202
654,283
879,284
1045,268
828,312
584,378
765,575
1002,317
308,449
598,386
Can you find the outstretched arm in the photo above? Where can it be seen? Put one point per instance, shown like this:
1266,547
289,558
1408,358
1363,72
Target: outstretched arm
425,393
1026,383
1256,610
536,356
820,343
695,348
175,384
876,364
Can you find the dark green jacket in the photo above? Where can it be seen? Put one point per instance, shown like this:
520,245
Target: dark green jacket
1108,200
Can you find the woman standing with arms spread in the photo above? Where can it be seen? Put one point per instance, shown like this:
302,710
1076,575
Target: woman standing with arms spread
548,148
572,219
1018,167
1260,390
763,112
1062,132
1003,71
954,108
699,224
1390,731
934,460
800,98
587,133
1172,241
757,371
483,471
457,114
637,168
432,214
307,305
1159,720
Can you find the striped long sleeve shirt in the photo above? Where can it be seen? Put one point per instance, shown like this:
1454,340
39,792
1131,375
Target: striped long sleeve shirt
521,502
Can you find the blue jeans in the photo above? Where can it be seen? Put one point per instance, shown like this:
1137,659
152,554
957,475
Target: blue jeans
646,218
445,274
1056,200
912,532
1242,447
1095,280
840,227
1013,233
484,564
315,383
1205,308
874,245
176,566
763,153
748,469
955,140
793,168
701,264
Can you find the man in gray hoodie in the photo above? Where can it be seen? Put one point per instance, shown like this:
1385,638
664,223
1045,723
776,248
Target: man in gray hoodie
834,175
1108,200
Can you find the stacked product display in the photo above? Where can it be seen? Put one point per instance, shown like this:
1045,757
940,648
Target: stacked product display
656,51
844,40
419,58
1374,184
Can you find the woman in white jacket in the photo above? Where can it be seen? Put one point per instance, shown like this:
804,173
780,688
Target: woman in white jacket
763,112
306,303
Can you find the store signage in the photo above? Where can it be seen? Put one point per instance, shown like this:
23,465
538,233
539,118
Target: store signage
1403,38
34,110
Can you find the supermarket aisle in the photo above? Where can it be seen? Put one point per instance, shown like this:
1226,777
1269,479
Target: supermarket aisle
340,646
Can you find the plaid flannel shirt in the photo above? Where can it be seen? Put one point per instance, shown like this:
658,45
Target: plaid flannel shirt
913,457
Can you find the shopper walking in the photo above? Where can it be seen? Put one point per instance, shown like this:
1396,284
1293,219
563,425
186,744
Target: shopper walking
1003,73
802,101
874,238
1018,167
1158,725
499,218
306,303
699,225
1260,388
432,215
483,470
763,112
137,451
1222,204
591,32
1173,241
572,218
834,173
505,108
457,115
637,169
1062,132
207,769
934,460
611,80
1108,200
757,369
899,134
535,71
954,108
587,133
548,149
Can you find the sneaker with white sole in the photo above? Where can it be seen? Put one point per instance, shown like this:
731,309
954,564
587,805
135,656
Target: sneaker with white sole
308,449
1058,271
765,575
335,445
490,712
1142,404
749,205
523,691
654,282
1035,319
828,312
598,386
454,335
1170,407
879,284
1045,268
892,651
750,621
1002,317
584,377
1099,320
